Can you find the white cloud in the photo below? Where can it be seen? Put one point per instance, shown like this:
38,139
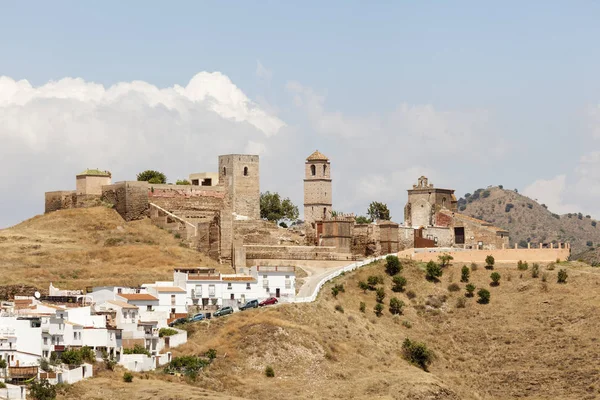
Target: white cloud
551,192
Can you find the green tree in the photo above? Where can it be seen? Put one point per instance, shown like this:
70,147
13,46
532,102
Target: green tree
151,176
183,182
396,306
445,260
3,366
71,357
495,278
109,360
417,353
273,209
433,271
470,289
337,289
378,210
373,281
362,220
392,265
211,354
464,274
363,286
128,377
269,372
42,390
399,283
380,294
378,309
484,296
562,276
489,262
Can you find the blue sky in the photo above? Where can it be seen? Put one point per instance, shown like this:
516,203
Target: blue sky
521,78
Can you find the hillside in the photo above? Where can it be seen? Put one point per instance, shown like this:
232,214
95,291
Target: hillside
93,246
535,339
528,221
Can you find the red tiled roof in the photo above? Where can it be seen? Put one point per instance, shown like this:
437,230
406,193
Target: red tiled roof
137,296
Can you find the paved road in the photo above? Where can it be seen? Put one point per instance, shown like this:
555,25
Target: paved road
315,274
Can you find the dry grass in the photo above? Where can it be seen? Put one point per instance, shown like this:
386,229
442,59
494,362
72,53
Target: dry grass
94,246
526,343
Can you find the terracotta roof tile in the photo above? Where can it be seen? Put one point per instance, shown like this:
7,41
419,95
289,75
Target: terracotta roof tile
137,296
122,304
317,156
167,289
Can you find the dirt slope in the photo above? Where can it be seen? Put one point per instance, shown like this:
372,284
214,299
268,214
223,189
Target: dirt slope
535,339
527,220
93,246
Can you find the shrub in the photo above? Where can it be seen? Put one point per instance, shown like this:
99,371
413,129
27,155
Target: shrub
464,274
109,360
392,265
544,277
509,206
594,224
380,293
589,243
417,353
71,357
407,324
495,278
474,267
562,276
461,302
373,281
335,290
378,309
184,182
470,289
580,215
269,372
137,349
128,377
434,271
522,266
283,225
411,294
42,390
363,286
113,241
535,270
462,208
489,262
211,354
339,308
396,306
453,287
87,354
162,332
445,260
484,296
363,306
2,385
485,194
399,283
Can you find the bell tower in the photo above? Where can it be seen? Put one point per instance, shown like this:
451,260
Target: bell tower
317,188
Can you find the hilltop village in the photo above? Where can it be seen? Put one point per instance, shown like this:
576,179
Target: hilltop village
219,215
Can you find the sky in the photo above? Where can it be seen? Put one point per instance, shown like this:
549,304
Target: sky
468,93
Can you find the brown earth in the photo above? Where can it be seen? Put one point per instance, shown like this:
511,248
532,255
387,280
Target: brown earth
536,339
94,246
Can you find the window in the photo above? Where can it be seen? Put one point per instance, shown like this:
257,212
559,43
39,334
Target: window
247,286
148,308
313,170
125,314
172,299
45,340
245,171
229,286
265,276
224,170
211,290
324,169
287,277
119,290
75,335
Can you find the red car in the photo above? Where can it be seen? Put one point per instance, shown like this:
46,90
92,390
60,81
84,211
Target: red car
267,302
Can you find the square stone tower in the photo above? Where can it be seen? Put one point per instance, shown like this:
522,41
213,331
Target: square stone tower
424,201
240,173
90,182
317,188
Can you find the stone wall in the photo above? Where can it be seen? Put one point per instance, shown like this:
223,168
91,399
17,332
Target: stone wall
129,198
406,238
477,233
500,255
91,185
258,252
337,232
59,200
442,236
365,240
388,237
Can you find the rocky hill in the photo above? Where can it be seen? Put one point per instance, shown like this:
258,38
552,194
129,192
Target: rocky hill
331,349
528,221
89,246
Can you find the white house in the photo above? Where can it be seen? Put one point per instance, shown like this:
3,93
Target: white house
20,341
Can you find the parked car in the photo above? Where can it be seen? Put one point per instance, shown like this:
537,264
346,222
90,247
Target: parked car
197,317
223,311
249,304
268,302
178,321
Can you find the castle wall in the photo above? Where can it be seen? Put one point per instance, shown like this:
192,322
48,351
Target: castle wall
365,240
260,252
475,232
241,174
406,238
337,232
130,198
388,237
59,200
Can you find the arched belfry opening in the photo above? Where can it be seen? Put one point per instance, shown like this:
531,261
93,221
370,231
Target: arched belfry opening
245,171
313,170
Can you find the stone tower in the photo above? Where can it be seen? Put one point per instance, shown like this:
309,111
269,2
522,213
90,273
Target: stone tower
317,188
424,201
240,172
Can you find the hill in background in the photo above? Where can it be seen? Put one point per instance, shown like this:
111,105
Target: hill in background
529,221
91,247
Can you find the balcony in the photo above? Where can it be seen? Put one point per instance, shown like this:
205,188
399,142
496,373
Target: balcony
283,268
